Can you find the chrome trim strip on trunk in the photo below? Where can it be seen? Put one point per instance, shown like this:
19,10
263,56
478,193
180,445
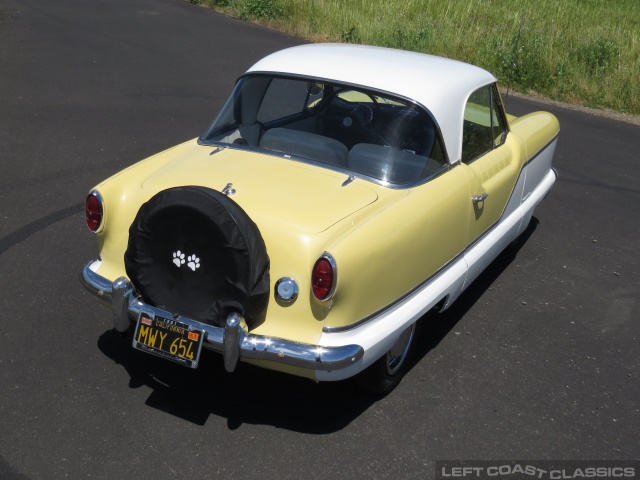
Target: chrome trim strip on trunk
232,341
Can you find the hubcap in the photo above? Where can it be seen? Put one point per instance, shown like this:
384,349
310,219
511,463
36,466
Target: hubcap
398,353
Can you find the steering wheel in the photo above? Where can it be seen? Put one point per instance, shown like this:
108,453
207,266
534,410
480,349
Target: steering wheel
363,116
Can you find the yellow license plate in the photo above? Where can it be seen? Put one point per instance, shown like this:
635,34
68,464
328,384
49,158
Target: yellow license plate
168,338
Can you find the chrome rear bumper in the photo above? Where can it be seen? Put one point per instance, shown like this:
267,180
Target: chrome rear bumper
233,341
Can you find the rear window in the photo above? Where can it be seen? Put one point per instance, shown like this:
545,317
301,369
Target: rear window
368,133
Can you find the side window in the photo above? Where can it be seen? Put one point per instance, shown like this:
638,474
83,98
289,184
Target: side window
484,127
283,98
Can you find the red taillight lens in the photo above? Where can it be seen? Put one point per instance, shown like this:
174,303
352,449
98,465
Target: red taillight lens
93,212
323,278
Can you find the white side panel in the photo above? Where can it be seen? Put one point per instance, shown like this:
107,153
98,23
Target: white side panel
538,168
478,264
518,193
536,171
379,334
514,219
487,249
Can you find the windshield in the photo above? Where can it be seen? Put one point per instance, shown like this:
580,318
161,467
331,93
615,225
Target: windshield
351,129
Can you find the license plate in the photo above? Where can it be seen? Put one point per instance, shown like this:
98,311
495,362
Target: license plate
168,338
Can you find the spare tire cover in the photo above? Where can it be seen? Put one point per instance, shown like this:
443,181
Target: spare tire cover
195,252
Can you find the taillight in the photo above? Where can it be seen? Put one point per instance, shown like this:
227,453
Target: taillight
323,277
93,211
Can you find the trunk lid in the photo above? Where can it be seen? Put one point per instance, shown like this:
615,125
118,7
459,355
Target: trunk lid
270,188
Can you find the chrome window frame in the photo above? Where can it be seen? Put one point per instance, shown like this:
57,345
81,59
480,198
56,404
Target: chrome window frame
494,100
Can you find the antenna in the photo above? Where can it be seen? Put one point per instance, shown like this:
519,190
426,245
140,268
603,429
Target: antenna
514,62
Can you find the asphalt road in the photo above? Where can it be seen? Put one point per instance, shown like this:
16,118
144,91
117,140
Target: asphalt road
538,359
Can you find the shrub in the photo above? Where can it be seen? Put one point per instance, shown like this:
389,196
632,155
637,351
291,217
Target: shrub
522,61
598,55
261,9
349,35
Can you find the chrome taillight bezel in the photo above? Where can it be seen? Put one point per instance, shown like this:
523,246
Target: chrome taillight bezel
96,194
334,268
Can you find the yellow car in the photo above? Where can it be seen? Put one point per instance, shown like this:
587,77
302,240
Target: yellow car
342,192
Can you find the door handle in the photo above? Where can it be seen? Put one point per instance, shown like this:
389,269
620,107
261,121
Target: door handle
479,198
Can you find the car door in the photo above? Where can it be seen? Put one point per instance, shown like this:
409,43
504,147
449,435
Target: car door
489,156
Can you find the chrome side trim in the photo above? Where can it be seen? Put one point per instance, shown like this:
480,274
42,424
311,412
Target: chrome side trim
541,151
232,341
382,311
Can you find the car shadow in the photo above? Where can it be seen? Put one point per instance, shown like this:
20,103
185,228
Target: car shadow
257,396
435,326
249,395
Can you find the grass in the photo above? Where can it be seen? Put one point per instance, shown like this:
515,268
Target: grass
585,52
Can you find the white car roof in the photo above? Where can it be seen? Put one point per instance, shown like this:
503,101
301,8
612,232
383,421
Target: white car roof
440,84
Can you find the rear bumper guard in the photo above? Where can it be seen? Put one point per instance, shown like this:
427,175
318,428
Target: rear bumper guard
233,341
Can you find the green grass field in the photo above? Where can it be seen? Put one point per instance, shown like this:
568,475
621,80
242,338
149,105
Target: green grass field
579,51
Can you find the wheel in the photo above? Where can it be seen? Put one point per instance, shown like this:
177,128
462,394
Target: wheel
193,251
386,372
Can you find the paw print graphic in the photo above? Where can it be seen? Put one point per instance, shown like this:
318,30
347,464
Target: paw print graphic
194,262
178,258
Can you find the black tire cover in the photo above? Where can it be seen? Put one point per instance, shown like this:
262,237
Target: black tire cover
195,252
